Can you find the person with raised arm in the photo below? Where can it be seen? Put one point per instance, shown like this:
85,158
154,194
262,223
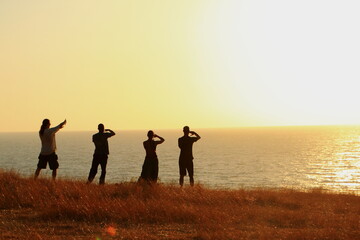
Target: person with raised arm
186,164
101,153
48,148
150,168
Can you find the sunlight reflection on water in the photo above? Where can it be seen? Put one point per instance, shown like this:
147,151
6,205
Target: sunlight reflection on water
295,157
340,170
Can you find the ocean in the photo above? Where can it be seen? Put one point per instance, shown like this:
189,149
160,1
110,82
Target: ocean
326,157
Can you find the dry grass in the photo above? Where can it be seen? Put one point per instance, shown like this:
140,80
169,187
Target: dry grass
65,209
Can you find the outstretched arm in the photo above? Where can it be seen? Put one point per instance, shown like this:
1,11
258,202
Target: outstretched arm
161,139
58,127
61,125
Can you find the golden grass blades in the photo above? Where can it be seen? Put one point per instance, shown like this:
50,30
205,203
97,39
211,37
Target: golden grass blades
68,209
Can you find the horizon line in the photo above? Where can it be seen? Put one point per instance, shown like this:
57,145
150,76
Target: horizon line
205,128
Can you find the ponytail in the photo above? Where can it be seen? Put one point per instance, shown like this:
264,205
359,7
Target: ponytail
44,125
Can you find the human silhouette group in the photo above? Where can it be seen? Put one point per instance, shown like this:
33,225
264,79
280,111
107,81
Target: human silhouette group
150,167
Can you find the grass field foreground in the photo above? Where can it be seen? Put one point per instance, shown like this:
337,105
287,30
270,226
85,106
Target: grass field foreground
66,209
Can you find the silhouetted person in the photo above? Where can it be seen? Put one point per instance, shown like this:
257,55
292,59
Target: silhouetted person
186,156
150,168
101,153
48,148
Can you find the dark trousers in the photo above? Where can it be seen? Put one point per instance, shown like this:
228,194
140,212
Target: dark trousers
98,159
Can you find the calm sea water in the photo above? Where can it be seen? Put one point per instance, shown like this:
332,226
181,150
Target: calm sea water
273,157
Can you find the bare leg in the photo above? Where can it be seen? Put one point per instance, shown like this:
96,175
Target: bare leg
54,172
191,181
37,172
103,171
181,181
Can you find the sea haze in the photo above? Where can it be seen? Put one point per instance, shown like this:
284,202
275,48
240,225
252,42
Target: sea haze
271,157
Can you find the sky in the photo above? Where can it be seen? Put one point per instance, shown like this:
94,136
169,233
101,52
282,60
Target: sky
163,64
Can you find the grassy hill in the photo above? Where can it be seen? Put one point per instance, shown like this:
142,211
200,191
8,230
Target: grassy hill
66,209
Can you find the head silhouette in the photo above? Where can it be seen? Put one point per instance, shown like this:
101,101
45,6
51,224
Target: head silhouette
101,127
150,134
45,125
186,130
46,122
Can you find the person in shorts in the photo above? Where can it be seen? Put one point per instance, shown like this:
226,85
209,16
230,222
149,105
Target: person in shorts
186,156
48,148
101,153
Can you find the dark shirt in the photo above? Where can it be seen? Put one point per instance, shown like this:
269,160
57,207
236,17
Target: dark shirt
185,145
150,148
101,143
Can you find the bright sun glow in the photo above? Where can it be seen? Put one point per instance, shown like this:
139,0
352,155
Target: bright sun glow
206,63
282,62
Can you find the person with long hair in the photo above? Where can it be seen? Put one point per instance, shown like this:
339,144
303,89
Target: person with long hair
48,148
150,168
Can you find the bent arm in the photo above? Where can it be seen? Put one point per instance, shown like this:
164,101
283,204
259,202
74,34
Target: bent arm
112,133
161,139
196,135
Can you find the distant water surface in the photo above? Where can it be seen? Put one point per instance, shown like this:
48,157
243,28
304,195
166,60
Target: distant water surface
271,157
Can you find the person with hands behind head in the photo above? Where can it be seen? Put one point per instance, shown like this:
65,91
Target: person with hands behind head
185,144
150,168
101,153
48,148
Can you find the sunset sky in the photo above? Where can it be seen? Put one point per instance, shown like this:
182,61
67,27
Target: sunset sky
140,64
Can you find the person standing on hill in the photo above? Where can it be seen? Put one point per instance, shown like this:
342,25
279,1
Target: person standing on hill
101,153
150,168
186,156
48,148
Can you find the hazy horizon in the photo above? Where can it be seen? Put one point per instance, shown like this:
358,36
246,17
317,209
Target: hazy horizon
305,157
201,128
